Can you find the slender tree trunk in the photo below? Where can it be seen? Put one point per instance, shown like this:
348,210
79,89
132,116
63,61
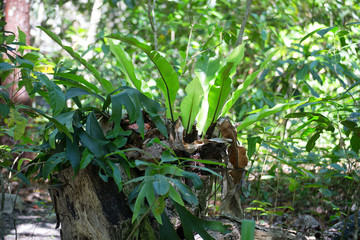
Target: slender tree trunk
17,15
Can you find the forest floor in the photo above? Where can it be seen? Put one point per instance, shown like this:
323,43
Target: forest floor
34,219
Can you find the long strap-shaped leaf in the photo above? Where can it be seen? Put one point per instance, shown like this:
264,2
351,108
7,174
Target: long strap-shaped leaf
169,84
220,90
125,65
104,83
190,106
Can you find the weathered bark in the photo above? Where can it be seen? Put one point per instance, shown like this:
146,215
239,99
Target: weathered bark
89,208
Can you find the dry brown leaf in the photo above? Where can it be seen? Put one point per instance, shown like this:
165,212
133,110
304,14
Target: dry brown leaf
237,154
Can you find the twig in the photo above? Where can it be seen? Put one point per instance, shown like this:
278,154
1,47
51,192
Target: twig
243,23
192,28
151,16
195,55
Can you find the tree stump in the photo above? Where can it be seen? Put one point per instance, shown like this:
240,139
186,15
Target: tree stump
89,208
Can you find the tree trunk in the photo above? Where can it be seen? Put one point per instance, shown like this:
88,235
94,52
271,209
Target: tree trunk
17,15
89,208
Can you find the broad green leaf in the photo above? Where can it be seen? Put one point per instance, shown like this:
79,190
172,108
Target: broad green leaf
125,64
307,132
86,158
161,184
66,119
191,224
96,146
249,79
93,127
52,138
322,32
252,145
116,174
56,96
22,36
104,83
302,73
51,163
166,156
167,230
44,68
355,142
267,112
73,154
185,191
168,83
326,192
23,178
5,66
247,229
174,195
217,96
57,124
10,38
349,124
311,143
147,191
145,186
190,105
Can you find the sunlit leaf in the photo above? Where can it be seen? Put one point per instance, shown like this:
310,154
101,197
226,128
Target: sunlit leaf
126,65
310,34
322,32
190,105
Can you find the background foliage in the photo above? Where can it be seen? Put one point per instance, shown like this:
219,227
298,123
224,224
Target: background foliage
296,88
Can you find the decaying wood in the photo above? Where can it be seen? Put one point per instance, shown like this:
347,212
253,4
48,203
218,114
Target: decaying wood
89,208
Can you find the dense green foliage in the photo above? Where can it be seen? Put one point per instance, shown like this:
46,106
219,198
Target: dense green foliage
293,87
